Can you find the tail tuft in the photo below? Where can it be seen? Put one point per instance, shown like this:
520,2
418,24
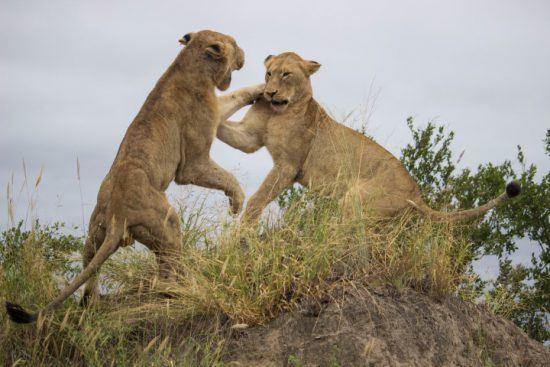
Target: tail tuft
18,314
513,189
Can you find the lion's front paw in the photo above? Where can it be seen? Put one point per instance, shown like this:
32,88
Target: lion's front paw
236,201
256,92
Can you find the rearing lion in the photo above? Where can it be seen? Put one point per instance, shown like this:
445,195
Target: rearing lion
309,147
169,140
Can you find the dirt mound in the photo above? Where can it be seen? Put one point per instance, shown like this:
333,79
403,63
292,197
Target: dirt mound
382,327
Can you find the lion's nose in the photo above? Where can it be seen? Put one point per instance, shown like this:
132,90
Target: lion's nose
272,93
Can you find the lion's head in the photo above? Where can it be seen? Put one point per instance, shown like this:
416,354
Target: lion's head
220,52
287,79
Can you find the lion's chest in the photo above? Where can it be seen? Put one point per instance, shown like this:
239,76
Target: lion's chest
287,139
199,128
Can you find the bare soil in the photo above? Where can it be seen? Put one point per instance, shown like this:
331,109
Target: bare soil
384,327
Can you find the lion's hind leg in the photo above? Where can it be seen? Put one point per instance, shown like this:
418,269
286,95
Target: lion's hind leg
378,198
160,231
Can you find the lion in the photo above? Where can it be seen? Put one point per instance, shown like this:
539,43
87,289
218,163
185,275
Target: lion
169,140
309,147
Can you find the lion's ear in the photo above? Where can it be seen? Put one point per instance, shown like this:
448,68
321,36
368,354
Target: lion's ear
267,59
187,38
216,50
311,66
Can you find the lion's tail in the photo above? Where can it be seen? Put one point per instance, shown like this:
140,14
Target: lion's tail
513,189
110,244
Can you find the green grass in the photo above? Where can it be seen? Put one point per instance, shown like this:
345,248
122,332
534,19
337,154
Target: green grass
227,275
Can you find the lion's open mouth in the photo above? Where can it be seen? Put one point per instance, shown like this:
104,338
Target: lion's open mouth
225,82
283,102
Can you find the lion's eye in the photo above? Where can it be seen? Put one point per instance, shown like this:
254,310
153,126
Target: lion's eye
269,73
286,74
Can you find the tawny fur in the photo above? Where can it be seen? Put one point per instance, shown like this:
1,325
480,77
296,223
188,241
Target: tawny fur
309,147
169,140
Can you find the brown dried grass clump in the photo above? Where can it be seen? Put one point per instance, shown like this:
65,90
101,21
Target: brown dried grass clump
227,275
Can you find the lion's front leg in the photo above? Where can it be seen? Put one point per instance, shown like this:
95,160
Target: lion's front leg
209,174
232,102
278,179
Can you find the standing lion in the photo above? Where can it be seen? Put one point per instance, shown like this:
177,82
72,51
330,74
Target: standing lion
169,140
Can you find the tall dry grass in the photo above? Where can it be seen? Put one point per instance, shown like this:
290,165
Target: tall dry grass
227,275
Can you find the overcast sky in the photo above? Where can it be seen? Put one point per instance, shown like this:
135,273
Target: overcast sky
74,74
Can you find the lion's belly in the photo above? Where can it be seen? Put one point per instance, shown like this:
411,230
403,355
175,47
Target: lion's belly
323,175
333,160
340,159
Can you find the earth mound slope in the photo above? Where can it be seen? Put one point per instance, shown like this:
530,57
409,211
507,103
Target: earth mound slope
384,327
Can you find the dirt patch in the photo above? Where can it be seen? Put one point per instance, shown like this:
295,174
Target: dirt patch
382,327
